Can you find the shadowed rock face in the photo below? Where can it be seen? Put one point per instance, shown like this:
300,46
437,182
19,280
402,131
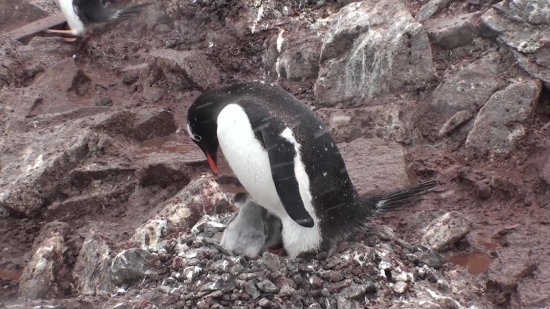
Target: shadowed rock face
102,193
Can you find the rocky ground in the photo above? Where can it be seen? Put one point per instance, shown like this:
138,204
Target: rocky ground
105,202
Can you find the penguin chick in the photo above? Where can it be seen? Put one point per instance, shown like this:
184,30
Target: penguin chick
82,13
252,230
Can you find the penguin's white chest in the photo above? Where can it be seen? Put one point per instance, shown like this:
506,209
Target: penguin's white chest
250,163
76,25
246,157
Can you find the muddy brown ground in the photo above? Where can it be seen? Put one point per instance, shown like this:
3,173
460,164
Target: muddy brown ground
510,216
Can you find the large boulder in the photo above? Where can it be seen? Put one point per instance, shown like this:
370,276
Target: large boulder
385,161
294,57
501,123
524,26
202,196
46,274
396,121
469,88
181,70
372,50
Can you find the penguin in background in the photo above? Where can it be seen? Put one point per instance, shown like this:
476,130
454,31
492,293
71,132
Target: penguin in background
252,230
289,163
80,14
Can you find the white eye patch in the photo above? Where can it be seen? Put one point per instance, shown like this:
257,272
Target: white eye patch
192,135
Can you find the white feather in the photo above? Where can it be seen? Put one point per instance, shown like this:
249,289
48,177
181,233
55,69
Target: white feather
76,25
250,163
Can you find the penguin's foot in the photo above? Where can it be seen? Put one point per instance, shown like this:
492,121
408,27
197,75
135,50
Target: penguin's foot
59,31
276,250
63,33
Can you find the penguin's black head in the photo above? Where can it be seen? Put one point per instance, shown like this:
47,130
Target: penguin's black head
202,127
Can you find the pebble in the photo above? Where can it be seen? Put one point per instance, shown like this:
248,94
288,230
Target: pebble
104,101
251,289
264,303
164,289
431,259
271,261
316,281
287,291
267,286
400,287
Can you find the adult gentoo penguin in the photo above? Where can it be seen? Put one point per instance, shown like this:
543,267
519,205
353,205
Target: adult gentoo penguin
287,160
82,13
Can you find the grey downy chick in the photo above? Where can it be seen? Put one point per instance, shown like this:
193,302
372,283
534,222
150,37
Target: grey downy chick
252,230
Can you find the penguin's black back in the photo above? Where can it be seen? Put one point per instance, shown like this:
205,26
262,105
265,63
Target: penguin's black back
334,197
91,11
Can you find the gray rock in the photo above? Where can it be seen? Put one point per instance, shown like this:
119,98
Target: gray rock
104,101
163,171
287,291
192,272
46,5
293,58
400,287
211,286
370,51
202,196
535,12
39,55
344,303
146,124
430,259
151,123
17,13
468,89
511,268
100,195
385,162
220,266
523,25
355,291
500,124
91,271
455,32
264,303
42,276
181,70
384,232
271,261
267,286
35,165
251,289
445,231
130,266
64,76
455,121
431,8
396,122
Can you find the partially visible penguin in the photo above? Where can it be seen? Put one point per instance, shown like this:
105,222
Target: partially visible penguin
82,13
287,160
252,230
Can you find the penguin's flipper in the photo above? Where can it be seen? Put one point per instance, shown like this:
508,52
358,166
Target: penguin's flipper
281,153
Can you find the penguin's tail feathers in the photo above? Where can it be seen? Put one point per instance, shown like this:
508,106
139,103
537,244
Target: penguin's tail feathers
389,202
130,11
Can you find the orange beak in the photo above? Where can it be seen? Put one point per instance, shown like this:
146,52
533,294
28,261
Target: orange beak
212,164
